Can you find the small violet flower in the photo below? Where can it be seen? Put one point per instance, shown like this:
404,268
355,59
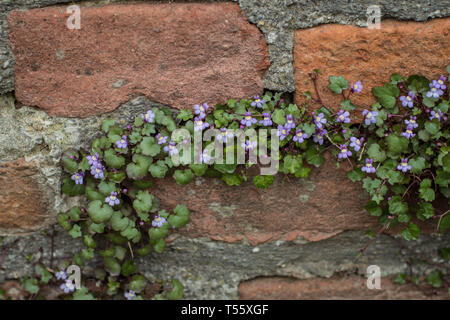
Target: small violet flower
130,295
299,136
344,152
266,121
249,146
92,160
436,115
408,101
434,92
61,275
404,166
98,171
319,120
158,222
289,122
257,102
248,120
112,200
149,116
370,116
282,132
439,84
161,139
369,168
318,136
355,143
122,143
200,110
224,135
343,116
171,149
68,286
205,157
412,122
199,124
357,87
78,177
409,132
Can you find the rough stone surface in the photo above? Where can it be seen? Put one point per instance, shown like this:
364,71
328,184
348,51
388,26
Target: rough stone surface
323,205
336,288
214,269
368,55
177,54
23,204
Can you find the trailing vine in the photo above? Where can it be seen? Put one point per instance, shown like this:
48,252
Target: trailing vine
399,151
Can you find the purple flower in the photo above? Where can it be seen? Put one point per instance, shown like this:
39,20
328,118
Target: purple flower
266,121
122,143
161,139
370,116
357,87
149,116
409,132
436,115
258,102
299,136
248,120
439,84
282,132
289,122
61,275
249,146
130,295
200,110
199,124
158,221
355,143
344,152
434,92
319,120
343,116
98,171
408,101
78,177
412,122
318,136
205,157
68,286
112,200
369,168
171,148
404,166
224,135
92,160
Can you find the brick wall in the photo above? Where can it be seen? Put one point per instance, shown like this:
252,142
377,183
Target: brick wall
299,238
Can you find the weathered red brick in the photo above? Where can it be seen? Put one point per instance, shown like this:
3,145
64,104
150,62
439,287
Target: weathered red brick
368,55
335,288
23,204
177,54
325,204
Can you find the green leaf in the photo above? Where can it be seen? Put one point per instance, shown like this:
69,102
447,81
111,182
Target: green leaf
158,233
176,292
70,188
63,220
128,268
30,285
82,294
386,95
338,84
225,168
75,232
149,147
112,160
99,212
263,182
355,175
400,278
374,209
159,246
426,193
279,116
232,179
432,127
185,115
375,152
314,157
178,221
417,164
198,169
396,144
158,170
43,273
118,223
425,211
397,206
112,266
435,279
89,241
138,283
69,164
412,233
418,83
107,123
183,177
106,188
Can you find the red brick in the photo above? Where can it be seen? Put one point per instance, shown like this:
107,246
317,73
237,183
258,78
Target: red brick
176,54
368,55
